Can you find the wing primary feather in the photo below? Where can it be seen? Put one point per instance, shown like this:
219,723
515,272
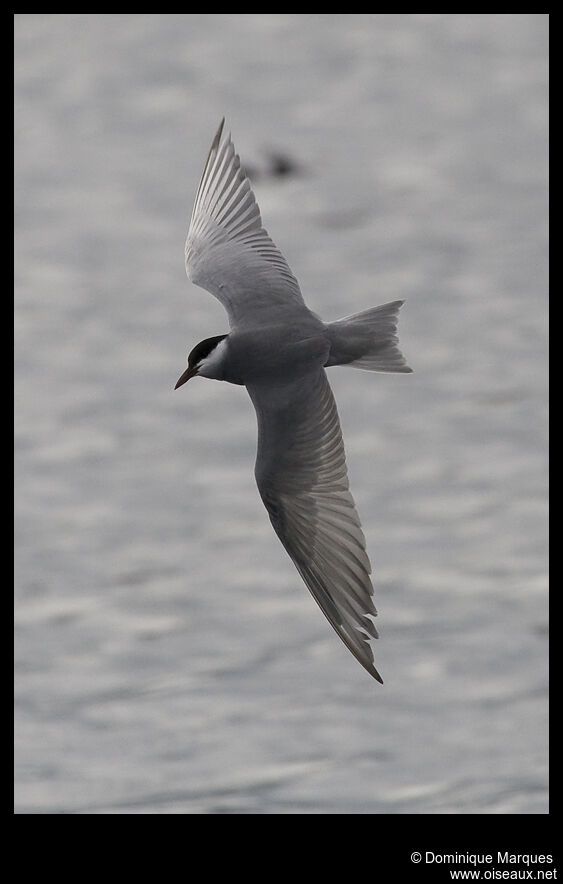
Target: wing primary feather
210,157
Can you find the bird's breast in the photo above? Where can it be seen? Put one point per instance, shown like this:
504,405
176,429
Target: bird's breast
274,353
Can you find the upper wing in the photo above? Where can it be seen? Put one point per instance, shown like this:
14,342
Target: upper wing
302,478
228,252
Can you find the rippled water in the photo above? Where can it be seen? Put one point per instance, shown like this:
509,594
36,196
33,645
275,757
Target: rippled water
168,657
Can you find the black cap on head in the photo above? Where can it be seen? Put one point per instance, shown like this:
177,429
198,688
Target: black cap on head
197,355
203,349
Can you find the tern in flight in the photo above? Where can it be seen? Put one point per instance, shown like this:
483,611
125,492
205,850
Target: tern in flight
279,349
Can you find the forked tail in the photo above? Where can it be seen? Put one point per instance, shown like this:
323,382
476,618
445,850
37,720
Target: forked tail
368,340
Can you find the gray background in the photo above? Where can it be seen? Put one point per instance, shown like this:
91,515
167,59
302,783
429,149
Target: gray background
168,657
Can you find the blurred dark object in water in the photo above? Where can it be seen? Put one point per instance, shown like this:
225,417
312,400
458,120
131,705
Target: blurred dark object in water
282,165
276,165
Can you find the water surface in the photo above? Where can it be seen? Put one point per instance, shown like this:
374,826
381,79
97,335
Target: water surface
168,657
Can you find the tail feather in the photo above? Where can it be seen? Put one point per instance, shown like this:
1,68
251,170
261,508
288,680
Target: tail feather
368,340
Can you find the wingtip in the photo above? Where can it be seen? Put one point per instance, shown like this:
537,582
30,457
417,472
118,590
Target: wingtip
369,667
218,134
376,675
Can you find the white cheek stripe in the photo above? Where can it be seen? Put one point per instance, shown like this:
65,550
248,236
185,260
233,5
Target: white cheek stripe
211,364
